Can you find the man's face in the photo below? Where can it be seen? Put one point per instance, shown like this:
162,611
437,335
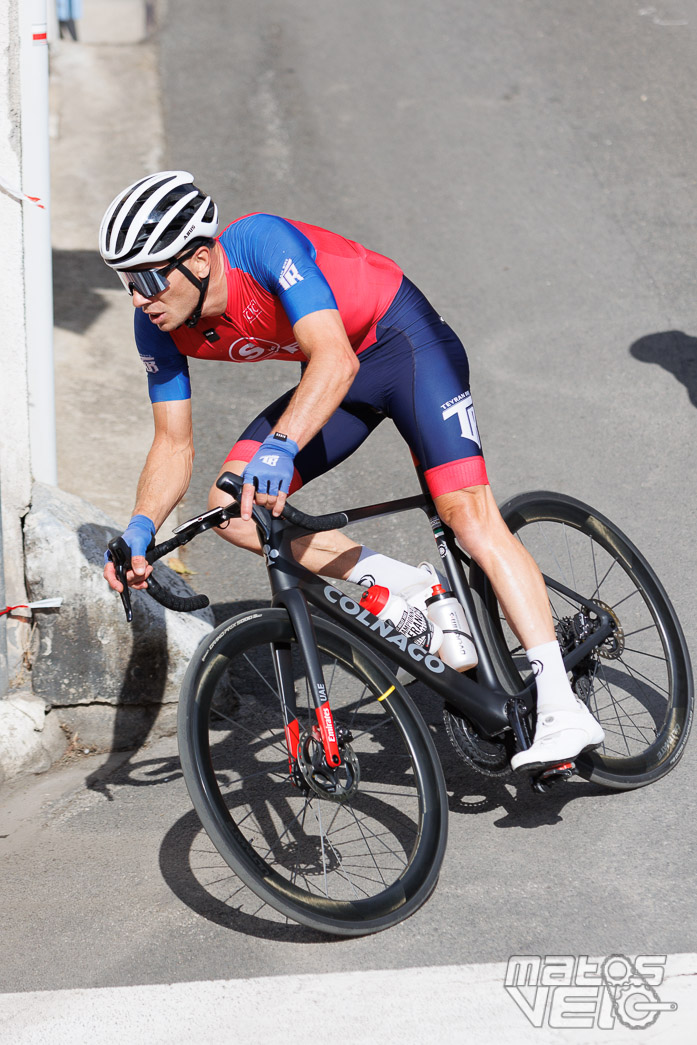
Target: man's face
172,306
169,308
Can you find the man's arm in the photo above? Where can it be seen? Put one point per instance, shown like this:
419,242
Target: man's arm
327,378
165,477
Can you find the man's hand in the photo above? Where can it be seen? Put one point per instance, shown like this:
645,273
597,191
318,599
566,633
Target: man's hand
137,536
269,475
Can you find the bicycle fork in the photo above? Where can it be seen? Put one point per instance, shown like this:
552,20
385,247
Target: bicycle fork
325,732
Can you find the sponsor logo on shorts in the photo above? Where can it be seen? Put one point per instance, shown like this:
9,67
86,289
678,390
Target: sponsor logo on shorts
462,407
150,364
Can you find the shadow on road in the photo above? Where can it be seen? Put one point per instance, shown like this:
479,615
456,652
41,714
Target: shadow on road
79,275
673,350
140,699
472,793
197,875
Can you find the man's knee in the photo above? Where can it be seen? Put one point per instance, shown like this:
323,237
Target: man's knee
218,498
472,514
242,534
471,506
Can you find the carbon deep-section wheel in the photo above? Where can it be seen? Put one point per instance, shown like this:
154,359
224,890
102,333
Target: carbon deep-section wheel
638,683
348,857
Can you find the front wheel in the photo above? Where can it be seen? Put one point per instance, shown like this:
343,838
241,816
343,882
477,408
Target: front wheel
349,863
638,683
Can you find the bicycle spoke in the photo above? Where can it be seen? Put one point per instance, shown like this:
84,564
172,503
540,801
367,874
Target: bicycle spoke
345,851
645,653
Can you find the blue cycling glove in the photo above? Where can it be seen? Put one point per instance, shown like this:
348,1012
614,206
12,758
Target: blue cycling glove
271,468
137,535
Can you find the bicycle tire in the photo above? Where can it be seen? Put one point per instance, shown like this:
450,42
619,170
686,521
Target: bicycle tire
347,868
641,689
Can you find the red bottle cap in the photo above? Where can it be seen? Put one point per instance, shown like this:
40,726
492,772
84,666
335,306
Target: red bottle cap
438,592
375,599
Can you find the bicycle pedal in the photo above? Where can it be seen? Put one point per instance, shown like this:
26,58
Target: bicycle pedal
542,782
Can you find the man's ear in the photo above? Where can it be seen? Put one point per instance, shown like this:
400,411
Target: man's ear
201,262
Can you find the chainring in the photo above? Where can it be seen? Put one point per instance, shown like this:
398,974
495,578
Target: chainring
489,757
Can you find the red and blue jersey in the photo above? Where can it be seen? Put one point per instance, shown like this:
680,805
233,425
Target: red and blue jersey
277,271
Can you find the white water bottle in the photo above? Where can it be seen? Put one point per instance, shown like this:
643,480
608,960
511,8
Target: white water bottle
458,650
405,618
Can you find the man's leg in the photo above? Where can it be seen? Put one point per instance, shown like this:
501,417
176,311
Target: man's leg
564,726
431,405
474,518
330,553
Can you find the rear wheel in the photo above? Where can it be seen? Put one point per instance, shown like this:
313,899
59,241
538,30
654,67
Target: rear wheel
638,683
352,861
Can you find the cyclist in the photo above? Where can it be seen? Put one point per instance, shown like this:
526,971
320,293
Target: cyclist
371,346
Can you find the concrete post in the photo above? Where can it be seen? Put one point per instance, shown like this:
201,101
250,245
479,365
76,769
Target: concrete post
15,464
36,182
4,678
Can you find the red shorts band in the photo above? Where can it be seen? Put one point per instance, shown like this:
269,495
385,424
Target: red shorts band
456,475
245,449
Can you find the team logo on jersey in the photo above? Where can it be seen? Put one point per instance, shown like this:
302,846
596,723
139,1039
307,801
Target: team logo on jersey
149,364
289,275
249,349
252,311
462,407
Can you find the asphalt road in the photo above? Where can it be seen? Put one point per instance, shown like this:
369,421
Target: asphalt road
531,165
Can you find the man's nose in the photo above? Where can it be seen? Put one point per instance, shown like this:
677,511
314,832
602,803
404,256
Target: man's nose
139,299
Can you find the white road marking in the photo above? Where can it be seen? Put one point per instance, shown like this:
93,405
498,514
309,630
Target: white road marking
452,1003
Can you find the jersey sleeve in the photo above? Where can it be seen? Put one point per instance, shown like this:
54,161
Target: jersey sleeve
167,368
282,260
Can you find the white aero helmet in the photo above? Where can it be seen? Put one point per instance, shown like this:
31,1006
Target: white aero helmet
154,219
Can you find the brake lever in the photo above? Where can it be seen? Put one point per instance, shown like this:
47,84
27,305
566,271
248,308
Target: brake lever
120,555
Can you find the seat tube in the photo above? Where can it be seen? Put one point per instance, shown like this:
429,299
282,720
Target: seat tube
447,553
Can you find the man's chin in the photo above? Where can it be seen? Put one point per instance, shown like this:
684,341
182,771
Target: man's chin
168,325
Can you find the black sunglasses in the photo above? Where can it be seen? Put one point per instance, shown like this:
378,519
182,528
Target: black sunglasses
150,282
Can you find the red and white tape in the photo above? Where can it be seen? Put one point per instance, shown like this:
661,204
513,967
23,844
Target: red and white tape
41,604
17,194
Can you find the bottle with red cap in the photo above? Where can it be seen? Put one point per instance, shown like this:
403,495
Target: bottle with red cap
457,650
405,618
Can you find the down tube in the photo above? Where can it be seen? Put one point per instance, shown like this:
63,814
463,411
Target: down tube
483,706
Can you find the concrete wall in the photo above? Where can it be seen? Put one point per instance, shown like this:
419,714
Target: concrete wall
15,471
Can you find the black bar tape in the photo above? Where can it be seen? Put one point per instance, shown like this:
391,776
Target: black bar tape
181,603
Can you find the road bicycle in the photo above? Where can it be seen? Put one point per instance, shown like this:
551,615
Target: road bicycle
311,768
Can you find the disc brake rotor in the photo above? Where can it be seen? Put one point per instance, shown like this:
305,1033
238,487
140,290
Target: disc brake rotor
613,647
334,784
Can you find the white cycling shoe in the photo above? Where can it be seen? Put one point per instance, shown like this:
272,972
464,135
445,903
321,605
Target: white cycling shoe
560,735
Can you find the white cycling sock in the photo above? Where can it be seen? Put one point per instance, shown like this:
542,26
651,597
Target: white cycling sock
374,568
553,687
